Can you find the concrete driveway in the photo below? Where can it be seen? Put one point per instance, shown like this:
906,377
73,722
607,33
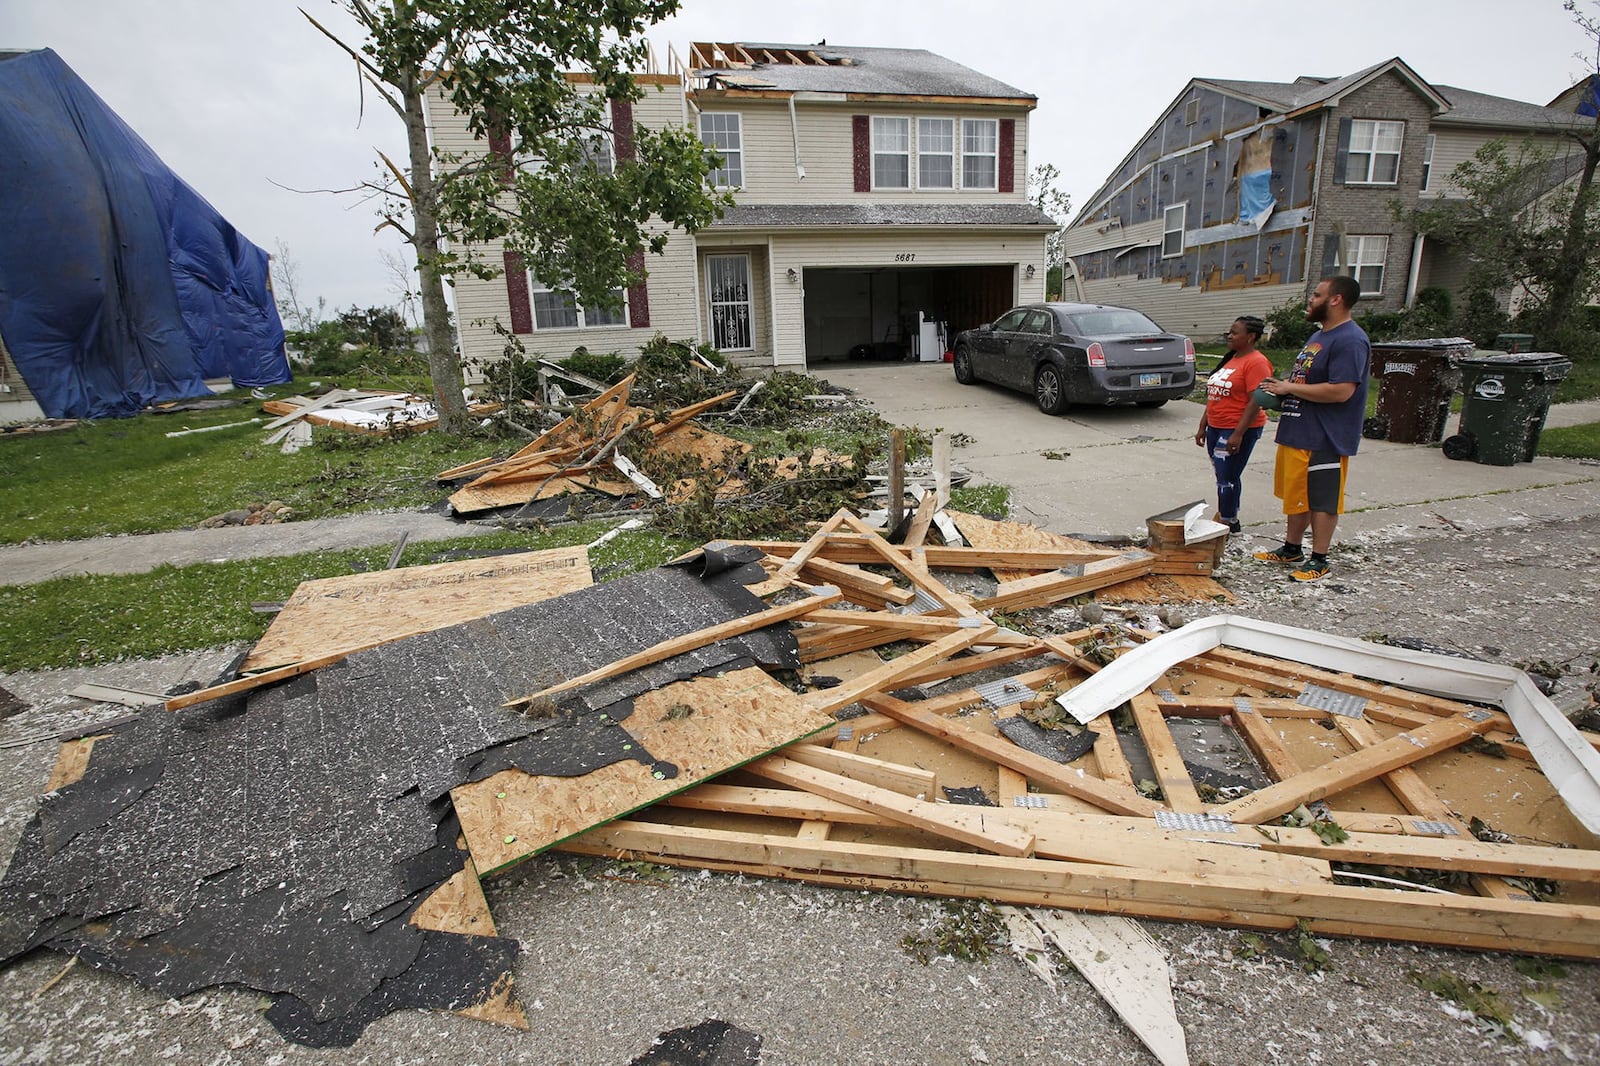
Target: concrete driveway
1119,465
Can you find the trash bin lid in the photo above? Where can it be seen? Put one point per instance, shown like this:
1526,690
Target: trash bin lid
1514,360
1431,342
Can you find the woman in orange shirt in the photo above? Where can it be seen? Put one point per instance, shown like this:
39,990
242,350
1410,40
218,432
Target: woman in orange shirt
1227,391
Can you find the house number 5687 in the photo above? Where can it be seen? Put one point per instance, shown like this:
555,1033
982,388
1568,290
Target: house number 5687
904,257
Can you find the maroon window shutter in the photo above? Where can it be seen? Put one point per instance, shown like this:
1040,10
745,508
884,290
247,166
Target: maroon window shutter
638,295
622,131
861,131
517,294
1008,152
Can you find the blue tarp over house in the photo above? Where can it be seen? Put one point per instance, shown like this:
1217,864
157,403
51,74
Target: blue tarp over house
119,285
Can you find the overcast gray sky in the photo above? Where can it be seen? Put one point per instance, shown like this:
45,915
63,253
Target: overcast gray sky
237,95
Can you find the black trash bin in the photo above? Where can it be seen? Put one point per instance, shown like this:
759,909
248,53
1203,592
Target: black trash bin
1415,382
1506,399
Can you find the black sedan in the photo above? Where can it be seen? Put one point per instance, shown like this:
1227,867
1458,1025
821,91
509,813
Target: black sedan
1068,354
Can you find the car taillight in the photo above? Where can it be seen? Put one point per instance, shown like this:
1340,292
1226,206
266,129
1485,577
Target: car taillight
1188,350
1097,355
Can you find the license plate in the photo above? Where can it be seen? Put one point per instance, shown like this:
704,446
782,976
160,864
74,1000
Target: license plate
1149,379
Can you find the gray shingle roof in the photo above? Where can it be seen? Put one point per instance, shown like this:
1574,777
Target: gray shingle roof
884,71
778,216
1468,108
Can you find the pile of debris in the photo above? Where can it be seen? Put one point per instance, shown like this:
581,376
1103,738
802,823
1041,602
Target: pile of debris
844,711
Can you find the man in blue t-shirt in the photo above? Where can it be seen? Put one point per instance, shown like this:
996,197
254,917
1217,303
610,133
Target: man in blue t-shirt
1323,403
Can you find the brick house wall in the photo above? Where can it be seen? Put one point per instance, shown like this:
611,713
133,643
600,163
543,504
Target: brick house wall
1356,209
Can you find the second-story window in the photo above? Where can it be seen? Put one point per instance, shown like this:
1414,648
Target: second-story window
1375,152
891,153
723,133
980,153
936,153
1427,164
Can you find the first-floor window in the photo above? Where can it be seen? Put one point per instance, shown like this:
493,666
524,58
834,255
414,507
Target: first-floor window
728,289
558,310
1364,258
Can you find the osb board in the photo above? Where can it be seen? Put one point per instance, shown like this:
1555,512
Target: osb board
342,612
1165,588
731,720
459,906
983,532
844,667
474,498
71,761
713,449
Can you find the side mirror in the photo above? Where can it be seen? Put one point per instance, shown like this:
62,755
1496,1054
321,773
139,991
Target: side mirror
986,328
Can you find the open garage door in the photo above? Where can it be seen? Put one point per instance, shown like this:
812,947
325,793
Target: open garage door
871,313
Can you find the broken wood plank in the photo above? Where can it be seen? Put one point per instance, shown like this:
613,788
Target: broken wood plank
907,780
1351,770
974,826
890,673
1172,776
1043,589
666,649
1105,795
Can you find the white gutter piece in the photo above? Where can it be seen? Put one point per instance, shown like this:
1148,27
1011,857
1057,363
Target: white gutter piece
1564,756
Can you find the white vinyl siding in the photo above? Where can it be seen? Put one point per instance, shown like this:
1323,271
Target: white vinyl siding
1364,258
723,133
1374,152
936,153
980,153
1173,220
728,296
891,153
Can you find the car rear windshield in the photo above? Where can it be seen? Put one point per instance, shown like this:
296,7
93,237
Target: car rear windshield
1111,322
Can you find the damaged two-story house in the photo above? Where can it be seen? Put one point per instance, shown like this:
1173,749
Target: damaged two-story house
1244,193
877,191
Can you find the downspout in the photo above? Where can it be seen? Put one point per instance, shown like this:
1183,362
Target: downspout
1416,270
1316,196
794,128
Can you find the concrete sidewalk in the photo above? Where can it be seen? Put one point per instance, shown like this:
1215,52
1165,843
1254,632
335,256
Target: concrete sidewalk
1119,465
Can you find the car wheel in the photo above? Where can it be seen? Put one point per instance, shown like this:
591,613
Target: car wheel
1151,403
963,364
1049,390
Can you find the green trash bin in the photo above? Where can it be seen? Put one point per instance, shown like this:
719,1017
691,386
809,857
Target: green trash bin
1515,343
1415,382
1506,399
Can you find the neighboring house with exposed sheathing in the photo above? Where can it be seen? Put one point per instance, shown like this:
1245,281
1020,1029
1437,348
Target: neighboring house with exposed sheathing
870,184
1174,233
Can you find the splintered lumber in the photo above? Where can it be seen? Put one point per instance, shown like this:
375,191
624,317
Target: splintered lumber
1177,787
616,396
336,612
791,568
699,728
1469,921
1030,561
975,826
1043,589
906,780
1364,765
1000,536
1107,796
666,649
891,673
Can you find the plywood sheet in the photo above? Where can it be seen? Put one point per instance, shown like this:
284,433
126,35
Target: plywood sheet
344,612
1165,588
703,726
983,532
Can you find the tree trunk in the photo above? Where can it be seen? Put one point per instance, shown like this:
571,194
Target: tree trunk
444,365
1564,294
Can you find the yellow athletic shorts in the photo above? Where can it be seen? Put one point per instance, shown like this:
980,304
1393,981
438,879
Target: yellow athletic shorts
1310,481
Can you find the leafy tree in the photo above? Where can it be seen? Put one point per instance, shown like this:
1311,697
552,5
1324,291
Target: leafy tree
1530,221
1043,194
376,327
557,199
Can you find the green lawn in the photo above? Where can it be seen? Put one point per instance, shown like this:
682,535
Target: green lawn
88,619
1572,442
127,476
